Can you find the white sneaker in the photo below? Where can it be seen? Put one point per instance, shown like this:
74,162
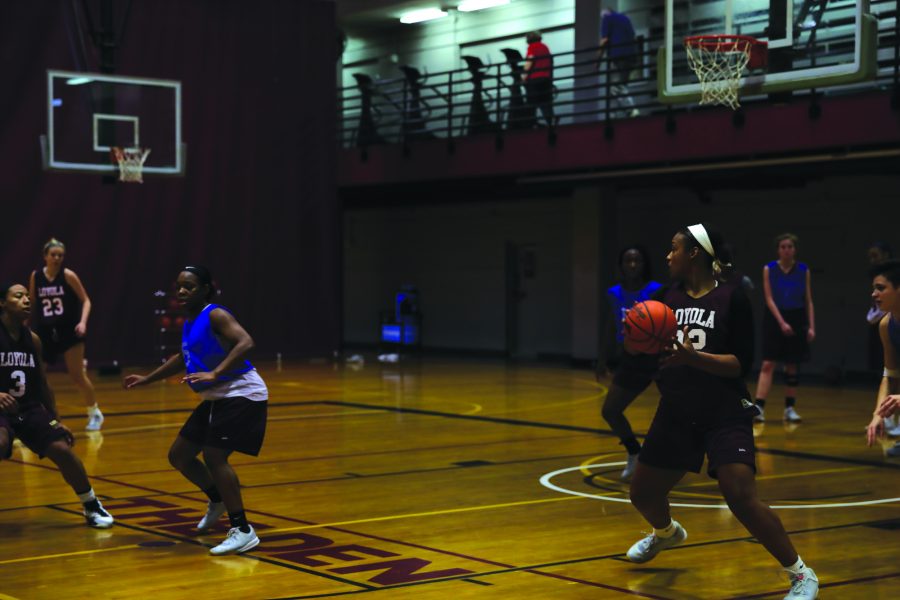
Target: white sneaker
791,415
99,519
236,542
95,421
650,546
628,471
761,417
214,512
804,585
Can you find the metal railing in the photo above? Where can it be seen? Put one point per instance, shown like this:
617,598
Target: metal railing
493,98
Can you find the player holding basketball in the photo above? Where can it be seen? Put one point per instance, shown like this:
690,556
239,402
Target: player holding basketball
886,294
63,308
789,324
705,408
232,416
635,286
28,407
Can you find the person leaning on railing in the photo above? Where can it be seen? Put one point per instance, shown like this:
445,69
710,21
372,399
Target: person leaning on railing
617,40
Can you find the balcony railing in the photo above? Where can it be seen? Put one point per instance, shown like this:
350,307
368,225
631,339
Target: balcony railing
492,98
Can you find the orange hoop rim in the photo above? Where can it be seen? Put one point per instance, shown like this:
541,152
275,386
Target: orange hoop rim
756,50
724,42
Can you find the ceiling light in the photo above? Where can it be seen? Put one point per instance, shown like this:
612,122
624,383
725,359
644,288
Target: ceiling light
78,80
472,5
418,16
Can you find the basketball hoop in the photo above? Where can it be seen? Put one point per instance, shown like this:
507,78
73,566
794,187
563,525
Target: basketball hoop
131,163
719,61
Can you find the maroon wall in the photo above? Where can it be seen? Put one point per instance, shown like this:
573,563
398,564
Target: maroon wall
257,204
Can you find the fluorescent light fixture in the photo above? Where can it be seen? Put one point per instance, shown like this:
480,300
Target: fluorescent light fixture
78,80
426,14
472,5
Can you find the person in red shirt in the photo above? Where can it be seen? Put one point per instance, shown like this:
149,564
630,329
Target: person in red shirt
538,76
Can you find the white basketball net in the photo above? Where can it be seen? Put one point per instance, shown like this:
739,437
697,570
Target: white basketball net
719,66
131,163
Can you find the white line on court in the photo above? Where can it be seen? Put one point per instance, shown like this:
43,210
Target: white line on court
547,483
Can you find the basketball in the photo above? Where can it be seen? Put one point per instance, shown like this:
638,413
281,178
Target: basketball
649,326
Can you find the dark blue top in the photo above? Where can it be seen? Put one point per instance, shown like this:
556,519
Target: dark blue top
203,351
617,28
623,299
788,289
894,333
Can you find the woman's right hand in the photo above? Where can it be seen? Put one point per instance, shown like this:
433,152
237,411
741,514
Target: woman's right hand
786,329
875,430
131,381
8,404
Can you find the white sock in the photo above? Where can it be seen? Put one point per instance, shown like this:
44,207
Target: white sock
87,496
796,567
667,532
93,410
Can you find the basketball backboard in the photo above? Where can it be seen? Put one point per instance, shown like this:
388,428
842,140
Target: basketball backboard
812,44
89,113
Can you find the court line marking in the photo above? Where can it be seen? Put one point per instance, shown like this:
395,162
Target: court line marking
545,481
364,454
66,554
678,490
605,432
5,597
179,424
421,514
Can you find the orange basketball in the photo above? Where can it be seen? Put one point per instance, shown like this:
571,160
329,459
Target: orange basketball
649,326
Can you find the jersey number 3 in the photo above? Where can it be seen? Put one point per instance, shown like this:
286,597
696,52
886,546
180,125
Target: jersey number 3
52,306
18,378
697,337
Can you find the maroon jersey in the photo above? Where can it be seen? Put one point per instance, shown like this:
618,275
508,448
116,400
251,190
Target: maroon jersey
20,371
56,303
721,322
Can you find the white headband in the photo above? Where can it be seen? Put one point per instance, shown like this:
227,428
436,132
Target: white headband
699,233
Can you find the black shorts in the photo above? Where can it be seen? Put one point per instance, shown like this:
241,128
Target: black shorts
32,426
636,371
791,349
236,424
56,340
674,442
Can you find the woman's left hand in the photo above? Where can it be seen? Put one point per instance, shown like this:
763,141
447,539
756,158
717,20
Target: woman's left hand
80,330
679,353
199,377
810,335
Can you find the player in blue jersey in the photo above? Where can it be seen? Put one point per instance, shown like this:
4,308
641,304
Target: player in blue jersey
232,415
705,410
60,320
789,323
28,407
635,286
886,294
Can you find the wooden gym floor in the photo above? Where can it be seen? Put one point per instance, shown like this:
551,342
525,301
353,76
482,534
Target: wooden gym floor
423,480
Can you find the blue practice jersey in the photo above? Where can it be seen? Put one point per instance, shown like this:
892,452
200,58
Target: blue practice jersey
788,289
623,299
203,351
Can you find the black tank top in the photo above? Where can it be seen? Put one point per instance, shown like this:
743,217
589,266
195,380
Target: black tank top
19,368
56,302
